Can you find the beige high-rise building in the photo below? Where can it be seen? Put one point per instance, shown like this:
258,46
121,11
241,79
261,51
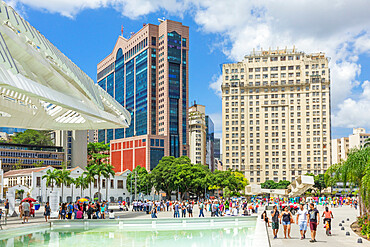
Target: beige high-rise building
197,134
342,146
276,115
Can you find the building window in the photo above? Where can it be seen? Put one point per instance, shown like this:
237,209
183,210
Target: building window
38,182
120,184
112,184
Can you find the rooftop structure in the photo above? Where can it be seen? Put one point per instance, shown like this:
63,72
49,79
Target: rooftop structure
41,88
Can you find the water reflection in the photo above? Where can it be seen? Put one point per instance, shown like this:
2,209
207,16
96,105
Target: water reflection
232,236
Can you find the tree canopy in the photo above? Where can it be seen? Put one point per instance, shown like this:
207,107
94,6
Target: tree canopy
354,171
270,184
33,137
179,174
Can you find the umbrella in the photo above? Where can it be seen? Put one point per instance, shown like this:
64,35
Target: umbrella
82,200
28,199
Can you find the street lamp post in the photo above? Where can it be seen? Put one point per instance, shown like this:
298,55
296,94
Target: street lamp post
135,186
131,189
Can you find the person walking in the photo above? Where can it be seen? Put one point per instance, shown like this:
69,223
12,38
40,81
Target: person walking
102,210
275,216
265,218
328,215
176,210
6,204
190,209
286,219
201,209
302,214
26,211
47,212
314,221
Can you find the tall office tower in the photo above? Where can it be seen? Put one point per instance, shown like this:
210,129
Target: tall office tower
341,146
210,143
74,143
276,115
217,148
148,74
197,134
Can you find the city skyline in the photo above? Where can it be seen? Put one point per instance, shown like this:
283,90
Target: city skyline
219,38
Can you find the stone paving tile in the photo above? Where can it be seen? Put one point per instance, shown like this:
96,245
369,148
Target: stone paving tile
338,238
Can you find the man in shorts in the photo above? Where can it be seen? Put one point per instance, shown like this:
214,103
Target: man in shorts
314,221
26,211
302,214
275,216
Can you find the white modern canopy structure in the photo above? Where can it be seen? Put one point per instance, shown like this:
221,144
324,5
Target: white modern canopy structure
40,88
297,188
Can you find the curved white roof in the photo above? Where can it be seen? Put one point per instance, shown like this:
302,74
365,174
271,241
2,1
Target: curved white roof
41,88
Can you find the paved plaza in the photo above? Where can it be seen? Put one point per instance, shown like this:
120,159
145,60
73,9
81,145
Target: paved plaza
337,239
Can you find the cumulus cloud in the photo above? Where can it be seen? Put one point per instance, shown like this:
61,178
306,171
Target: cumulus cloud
215,84
353,113
339,28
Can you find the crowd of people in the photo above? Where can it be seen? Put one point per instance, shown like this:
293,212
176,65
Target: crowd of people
304,218
185,208
82,210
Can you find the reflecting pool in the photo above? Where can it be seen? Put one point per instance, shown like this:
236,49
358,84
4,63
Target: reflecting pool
61,235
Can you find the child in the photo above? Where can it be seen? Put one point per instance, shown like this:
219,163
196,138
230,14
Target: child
111,215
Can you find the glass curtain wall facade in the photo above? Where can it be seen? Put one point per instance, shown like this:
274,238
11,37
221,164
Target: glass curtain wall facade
147,73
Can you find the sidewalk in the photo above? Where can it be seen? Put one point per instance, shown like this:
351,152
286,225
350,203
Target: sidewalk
338,238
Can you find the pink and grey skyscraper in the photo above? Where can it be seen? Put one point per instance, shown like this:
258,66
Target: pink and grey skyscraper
148,75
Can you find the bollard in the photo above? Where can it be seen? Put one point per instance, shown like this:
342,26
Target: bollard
347,234
340,224
359,241
342,228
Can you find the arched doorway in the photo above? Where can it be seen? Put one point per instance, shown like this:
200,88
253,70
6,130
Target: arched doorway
97,196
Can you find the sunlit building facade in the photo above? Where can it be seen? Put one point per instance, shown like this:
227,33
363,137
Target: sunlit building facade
148,74
276,115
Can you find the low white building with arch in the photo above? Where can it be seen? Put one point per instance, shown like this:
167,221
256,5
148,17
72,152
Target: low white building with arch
112,189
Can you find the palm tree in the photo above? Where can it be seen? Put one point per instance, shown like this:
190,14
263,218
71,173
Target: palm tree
353,171
367,142
64,178
70,182
51,177
100,171
109,172
90,176
82,182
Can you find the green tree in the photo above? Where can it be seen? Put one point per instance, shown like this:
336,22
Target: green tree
164,175
63,178
90,177
70,182
33,137
320,182
142,178
269,184
109,172
353,171
367,142
51,177
82,183
283,184
100,170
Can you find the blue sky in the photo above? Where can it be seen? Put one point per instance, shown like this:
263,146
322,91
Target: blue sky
220,32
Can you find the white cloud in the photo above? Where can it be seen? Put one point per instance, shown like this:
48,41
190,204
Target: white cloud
353,113
215,84
339,28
